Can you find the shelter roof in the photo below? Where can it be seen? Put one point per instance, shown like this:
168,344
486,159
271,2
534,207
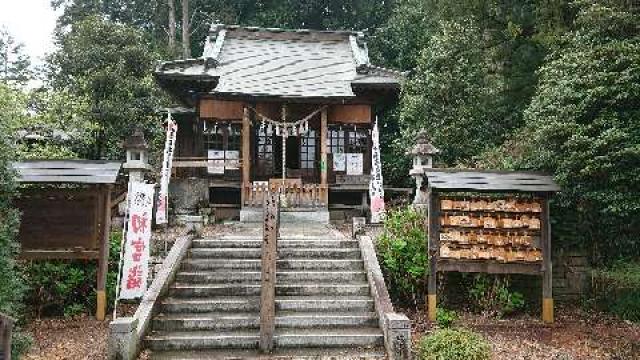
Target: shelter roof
68,171
489,181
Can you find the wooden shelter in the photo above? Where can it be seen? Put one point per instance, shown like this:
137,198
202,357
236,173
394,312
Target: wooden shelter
491,222
250,85
66,212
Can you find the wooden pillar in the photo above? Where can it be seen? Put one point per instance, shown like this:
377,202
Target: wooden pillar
433,213
103,253
547,271
323,155
246,153
268,277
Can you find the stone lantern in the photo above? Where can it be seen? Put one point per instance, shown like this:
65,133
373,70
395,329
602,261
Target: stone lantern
137,156
423,152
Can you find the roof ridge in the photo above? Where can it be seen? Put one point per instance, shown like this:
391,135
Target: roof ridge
216,27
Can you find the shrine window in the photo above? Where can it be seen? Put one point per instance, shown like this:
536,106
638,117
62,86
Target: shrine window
308,150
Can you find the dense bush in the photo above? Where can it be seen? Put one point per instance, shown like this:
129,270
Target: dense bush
402,253
450,344
617,289
69,287
492,295
445,318
11,282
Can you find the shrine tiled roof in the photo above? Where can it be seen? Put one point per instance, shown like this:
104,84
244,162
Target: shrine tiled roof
283,63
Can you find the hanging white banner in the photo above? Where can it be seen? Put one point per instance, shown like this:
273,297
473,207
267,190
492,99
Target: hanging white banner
167,163
135,269
376,188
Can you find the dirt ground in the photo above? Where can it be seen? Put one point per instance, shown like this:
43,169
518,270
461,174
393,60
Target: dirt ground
576,335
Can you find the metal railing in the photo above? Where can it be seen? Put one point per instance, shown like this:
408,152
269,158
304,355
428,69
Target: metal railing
271,232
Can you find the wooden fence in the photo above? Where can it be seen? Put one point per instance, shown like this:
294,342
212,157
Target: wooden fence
293,195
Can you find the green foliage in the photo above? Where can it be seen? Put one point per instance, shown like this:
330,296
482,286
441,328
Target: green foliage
14,63
492,296
402,253
617,289
445,318
452,95
68,287
450,344
106,68
583,125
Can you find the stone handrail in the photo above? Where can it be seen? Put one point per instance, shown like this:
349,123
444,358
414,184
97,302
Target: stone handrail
126,333
6,331
396,327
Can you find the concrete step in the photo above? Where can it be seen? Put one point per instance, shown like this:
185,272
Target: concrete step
282,243
283,264
283,303
331,338
207,290
302,320
255,253
239,321
197,340
377,353
282,276
206,321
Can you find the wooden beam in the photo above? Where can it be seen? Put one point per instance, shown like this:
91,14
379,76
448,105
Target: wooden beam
103,259
433,207
323,152
67,254
547,277
246,151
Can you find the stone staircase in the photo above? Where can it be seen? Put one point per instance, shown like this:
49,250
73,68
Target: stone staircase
323,300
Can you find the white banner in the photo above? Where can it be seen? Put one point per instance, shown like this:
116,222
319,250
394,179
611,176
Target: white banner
167,163
376,188
135,269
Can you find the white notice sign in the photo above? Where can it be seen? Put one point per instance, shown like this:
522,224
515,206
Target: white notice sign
354,164
339,162
215,165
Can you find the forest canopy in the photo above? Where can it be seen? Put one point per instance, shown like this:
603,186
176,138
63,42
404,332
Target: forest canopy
533,85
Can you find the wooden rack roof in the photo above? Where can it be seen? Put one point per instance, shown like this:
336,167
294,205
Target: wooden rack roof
68,171
489,181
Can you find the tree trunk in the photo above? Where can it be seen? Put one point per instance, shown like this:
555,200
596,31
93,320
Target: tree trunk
186,36
172,26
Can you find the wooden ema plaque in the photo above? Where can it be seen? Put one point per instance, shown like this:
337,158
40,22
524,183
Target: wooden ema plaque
501,230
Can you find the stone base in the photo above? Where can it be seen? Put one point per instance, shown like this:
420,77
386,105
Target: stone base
286,216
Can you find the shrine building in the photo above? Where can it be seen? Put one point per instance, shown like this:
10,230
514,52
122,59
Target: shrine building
265,108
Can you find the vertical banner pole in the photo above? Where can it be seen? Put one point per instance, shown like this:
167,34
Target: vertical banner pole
433,250
123,241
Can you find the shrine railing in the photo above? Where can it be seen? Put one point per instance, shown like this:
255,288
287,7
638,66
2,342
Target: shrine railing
271,232
292,195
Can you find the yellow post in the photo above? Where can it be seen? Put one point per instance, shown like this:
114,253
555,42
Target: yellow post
431,304
547,311
101,307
